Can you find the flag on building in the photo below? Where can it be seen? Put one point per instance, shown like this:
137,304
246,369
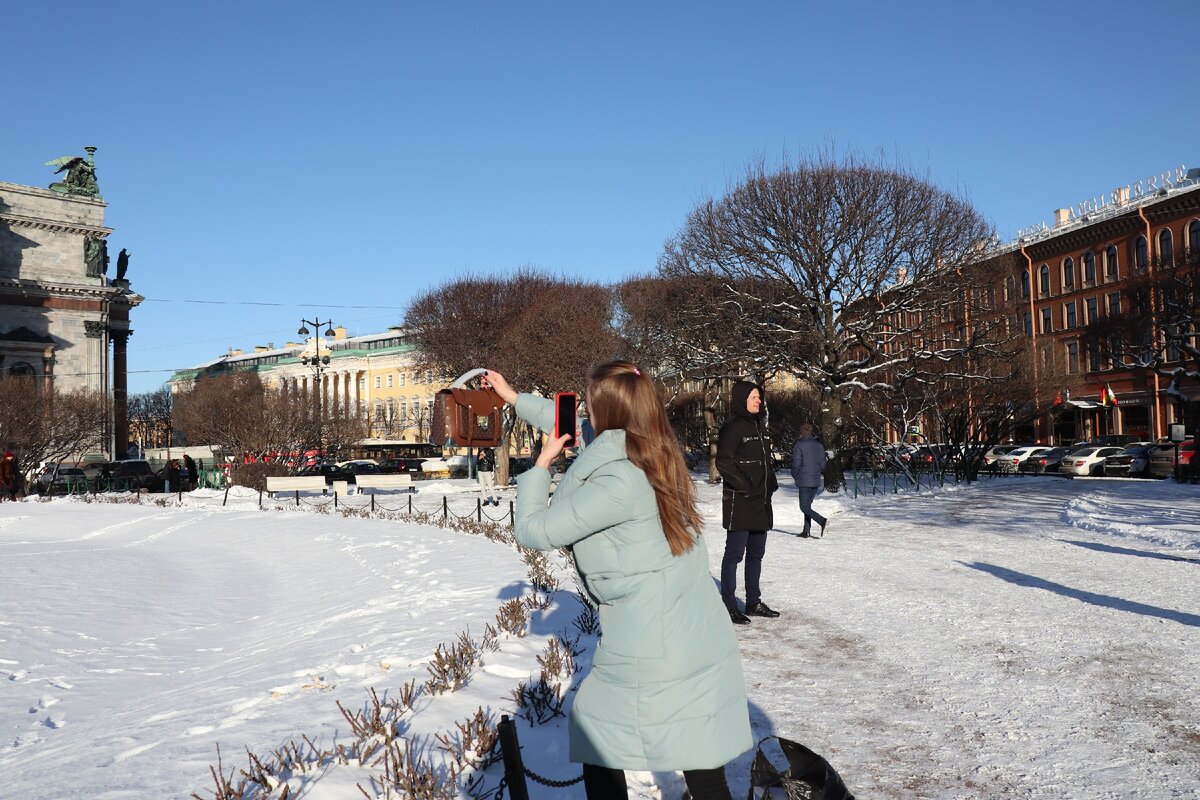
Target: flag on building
1112,397
1058,398
1103,396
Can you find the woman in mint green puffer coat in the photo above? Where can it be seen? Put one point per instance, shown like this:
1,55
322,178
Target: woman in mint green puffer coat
666,690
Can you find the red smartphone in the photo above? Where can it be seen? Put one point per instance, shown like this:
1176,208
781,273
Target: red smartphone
564,416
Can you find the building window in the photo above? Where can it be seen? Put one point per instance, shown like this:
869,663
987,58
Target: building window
390,379
429,376
1047,320
1166,246
1069,315
1193,235
1044,275
1141,256
1025,283
1093,357
1010,288
377,380
403,375
1092,314
1028,324
379,411
1110,262
1068,274
1114,304
391,409
1089,268
1072,357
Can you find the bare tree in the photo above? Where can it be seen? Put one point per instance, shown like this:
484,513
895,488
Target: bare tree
542,332
41,424
1156,328
690,329
151,417
860,255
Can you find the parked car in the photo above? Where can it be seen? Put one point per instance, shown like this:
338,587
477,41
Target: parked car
1162,458
1088,461
60,479
401,466
329,471
1012,460
1045,462
994,454
1132,462
130,475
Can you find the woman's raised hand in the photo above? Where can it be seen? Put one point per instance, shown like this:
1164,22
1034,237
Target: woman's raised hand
495,381
551,449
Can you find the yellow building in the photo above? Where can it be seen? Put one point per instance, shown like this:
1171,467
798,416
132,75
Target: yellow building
377,375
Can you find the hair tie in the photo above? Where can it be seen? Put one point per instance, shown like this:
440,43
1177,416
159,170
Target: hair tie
637,371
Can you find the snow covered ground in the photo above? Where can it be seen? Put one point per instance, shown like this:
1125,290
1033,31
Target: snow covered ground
1022,638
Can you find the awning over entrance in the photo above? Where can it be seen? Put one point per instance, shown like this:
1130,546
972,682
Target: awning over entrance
1083,404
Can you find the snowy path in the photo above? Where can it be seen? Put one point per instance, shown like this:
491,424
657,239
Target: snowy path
1027,639
1021,639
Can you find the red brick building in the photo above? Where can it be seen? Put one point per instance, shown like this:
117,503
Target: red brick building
1076,272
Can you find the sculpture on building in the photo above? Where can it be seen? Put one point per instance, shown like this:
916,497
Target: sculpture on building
122,264
95,256
81,175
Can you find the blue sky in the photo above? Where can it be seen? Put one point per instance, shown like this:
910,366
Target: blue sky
325,156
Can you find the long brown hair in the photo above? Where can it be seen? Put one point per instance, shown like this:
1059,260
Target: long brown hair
621,397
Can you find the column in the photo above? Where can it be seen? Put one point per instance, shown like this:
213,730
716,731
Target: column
120,383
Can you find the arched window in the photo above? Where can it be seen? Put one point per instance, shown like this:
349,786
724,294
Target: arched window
1193,234
1089,267
1068,274
1141,255
21,370
1110,262
1010,288
1166,246
1025,283
1044,275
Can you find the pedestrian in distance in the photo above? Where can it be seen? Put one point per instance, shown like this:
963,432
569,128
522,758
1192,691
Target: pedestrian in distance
487,476
744,461
808,469
8,476
666,690
193,476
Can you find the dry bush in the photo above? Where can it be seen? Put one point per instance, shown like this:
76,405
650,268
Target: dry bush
540,701
512,618
541,572
255,475
453,665
588,620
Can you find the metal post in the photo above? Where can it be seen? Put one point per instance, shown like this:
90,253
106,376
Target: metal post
445,507
335,494
297,498
512,515
372,502
510,749
410,504
479,509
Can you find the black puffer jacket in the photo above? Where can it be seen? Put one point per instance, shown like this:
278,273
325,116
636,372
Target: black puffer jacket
744,461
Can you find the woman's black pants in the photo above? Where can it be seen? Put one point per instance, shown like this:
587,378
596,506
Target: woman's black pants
603,783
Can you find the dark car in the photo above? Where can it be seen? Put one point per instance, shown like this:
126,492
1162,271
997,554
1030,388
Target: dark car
401,466
1132,462
131,475
342,472
518,465
1044,462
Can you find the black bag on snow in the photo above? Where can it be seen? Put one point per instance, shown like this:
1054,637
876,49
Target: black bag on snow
807,776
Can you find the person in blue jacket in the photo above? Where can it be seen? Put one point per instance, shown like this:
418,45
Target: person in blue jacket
666,690
808,468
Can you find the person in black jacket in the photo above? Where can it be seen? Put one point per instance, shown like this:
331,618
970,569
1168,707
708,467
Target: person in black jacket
743,459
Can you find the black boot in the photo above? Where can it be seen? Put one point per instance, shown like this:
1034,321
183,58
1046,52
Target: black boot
761,609
737,617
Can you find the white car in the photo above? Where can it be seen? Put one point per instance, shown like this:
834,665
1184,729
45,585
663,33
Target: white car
1088,461
996,453
1011,461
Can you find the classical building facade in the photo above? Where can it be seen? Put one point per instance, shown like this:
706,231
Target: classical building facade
377,375
59,312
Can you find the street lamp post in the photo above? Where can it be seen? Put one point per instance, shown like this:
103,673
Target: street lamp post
317,361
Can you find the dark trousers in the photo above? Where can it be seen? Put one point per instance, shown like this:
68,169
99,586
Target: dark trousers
603,783
752,545
807,495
